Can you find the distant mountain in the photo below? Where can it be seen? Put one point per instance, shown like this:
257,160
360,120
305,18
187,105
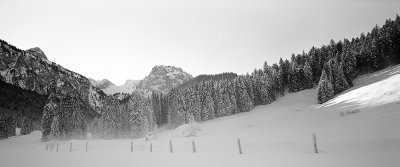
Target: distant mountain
128,87
26,70
37,52
103,84
162,79
67,90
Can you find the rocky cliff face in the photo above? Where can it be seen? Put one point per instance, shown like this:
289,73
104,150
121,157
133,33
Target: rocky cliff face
31,70
103,84
37,52
162,79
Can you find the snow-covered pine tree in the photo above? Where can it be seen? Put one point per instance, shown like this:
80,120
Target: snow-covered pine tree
336,76
55,128
283,74
156,105
192,103
147,116
182,115
308,80
249,87
243,101
227,106
47,118
349,66
275,80
209,106
27,126
256,82
325,90
109,119
78,121
266,93
218,99
231,88
340,80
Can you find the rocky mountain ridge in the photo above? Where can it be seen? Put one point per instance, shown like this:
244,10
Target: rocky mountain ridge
102,84
31,70
162,79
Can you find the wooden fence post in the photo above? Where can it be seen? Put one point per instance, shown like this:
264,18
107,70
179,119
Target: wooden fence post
193,146
240,147
170,147
70,147
315,143
131,146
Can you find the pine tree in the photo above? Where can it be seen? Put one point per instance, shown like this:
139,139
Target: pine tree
340,80
243,101
336,76
231,88
109,119
257,85
209,106
27,126
47,118
217,98
249,87
308,80
349,66
55,128
325,90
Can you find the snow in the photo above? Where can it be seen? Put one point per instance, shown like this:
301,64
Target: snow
187,130
374,89
278,134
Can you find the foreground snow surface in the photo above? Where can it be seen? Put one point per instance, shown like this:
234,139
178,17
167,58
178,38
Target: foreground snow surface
278,134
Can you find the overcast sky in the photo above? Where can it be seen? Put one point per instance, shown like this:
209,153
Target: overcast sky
124,39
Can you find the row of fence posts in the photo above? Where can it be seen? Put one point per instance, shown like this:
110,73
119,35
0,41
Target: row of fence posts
49,146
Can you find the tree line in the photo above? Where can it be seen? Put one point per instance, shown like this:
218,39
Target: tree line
331,68
19,108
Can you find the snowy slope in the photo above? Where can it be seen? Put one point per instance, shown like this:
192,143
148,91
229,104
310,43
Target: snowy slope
373,89
278,134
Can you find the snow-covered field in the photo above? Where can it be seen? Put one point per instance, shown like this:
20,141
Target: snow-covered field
278,134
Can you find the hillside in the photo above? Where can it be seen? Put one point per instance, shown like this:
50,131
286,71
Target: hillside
270,134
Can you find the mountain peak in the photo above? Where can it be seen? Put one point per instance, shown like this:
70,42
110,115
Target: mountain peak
37,52
162,78
103,84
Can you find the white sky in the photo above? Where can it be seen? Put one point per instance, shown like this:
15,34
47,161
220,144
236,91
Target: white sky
122,39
